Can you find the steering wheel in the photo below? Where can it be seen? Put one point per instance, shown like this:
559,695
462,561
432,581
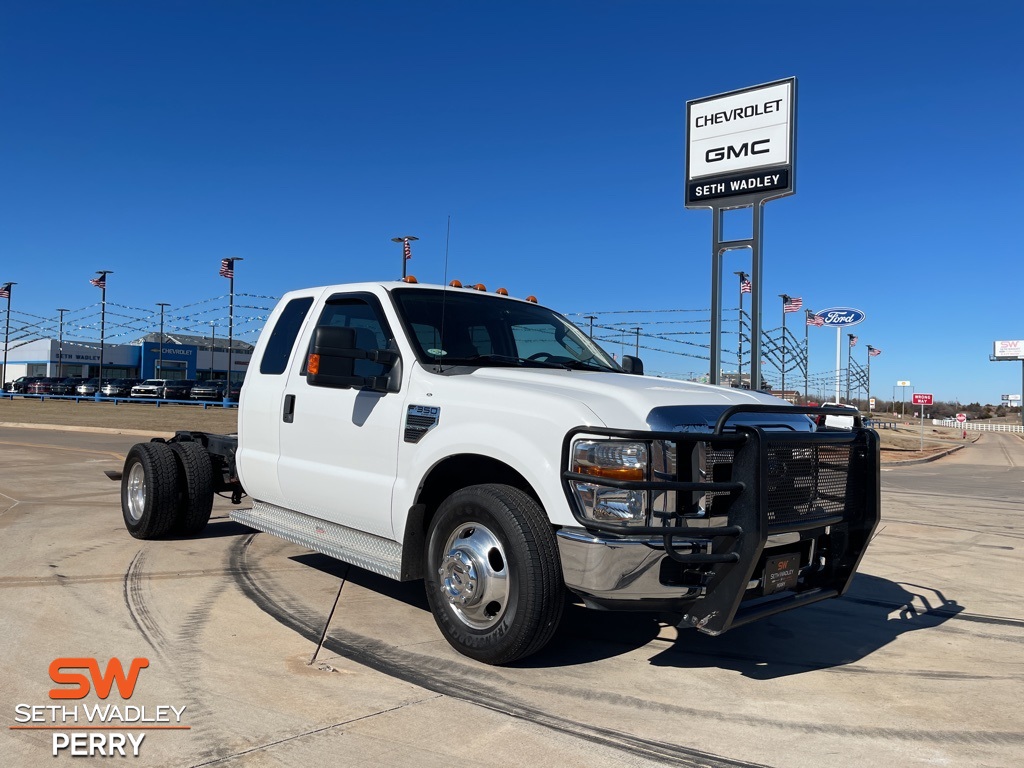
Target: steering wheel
541,357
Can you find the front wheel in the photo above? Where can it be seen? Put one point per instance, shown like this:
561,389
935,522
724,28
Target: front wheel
493,579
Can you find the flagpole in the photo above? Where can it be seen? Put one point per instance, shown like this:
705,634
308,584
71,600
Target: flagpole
849,363
231,324
103,324
807,352
7,333
785,299
739,327
406,250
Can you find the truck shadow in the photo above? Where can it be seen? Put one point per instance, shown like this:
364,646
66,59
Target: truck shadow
833,633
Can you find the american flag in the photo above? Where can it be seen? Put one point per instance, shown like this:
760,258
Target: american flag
227,268
99,282
745,286
792,304
813,319
5,291
406,249
853,340
874,351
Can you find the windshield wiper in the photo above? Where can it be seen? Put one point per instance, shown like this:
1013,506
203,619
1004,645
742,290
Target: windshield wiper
502,360
586,365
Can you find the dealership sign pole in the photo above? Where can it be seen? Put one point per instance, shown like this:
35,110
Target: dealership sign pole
740,153
1010,350
839,318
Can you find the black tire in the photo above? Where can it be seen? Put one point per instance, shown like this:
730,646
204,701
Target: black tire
493,576
149,490
195,472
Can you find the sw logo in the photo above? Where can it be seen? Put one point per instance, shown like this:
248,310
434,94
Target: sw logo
102,682
105,729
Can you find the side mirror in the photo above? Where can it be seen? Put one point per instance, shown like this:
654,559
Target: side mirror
332,356
633,365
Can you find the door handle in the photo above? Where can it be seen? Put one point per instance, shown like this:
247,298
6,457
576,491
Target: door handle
289,409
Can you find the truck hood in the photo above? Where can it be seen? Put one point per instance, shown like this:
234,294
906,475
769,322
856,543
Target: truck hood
625,401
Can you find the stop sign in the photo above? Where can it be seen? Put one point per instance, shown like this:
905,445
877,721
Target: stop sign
961,417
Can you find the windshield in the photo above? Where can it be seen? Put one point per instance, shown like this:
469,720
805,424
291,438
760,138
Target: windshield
458,327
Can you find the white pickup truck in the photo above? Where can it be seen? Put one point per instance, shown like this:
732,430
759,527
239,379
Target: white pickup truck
486,445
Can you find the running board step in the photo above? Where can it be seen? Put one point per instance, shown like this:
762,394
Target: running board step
364,550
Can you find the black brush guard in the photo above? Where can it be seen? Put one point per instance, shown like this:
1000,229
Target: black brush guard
762,482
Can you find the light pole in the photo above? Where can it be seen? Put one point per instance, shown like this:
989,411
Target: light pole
745,287
60,345
872,352
5,292
213,345
101,283
591,318
405,240
160,364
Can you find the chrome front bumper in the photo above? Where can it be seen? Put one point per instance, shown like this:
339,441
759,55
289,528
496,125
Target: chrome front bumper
619,569
595,565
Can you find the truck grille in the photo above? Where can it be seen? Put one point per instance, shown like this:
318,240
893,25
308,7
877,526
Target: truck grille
804,482
807,482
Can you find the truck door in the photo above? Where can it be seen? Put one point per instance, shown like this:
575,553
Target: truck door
339,447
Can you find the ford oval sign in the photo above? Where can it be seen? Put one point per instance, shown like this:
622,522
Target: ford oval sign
840,317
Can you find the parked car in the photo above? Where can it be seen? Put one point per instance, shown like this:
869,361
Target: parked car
208,390
89,386
178,389
42,386
118,387
66,386
149,388
21,384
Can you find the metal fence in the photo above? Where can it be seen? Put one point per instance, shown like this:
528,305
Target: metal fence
978,426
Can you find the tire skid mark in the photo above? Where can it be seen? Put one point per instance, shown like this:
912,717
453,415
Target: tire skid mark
55,581
459,681
138,610
451,679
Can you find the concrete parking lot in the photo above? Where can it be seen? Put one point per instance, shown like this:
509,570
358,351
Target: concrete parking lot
921,664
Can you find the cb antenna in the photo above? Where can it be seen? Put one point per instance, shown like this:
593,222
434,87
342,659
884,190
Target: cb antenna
444,288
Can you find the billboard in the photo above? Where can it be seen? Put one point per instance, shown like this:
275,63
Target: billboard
741,144
1009,350
1011,398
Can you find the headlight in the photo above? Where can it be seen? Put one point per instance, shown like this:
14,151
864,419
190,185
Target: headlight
610,460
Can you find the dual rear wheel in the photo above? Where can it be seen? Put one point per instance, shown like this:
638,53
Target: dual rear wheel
166,489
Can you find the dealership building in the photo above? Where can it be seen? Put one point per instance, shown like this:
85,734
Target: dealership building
180,356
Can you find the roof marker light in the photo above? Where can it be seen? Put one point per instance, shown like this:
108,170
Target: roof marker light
532,299
455,284
410,279
480,287
501,292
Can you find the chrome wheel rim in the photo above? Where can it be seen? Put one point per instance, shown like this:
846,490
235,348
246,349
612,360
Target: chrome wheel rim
474,576
136,493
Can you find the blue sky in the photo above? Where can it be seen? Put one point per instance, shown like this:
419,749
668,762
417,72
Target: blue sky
155,138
